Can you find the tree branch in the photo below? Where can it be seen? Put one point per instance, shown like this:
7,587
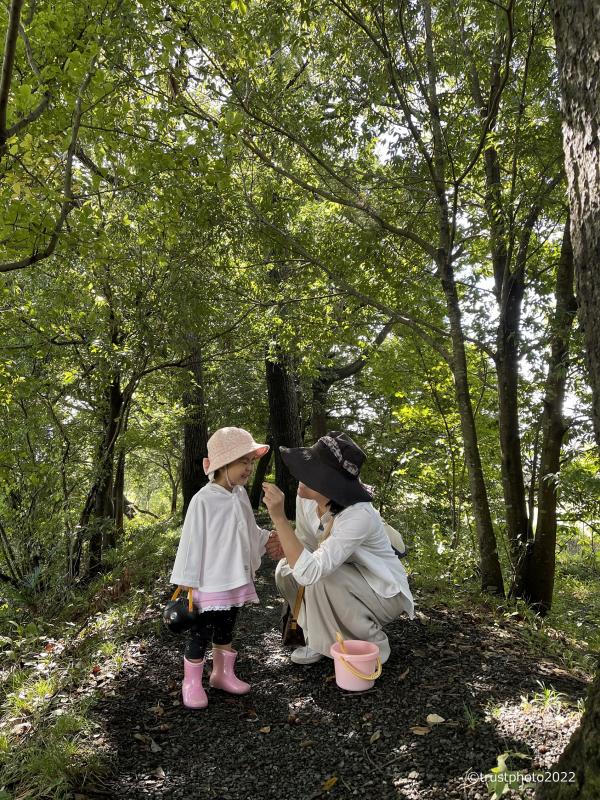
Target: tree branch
8,63
69,199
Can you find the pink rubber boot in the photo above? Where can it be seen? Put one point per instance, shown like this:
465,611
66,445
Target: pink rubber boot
223,676
192,690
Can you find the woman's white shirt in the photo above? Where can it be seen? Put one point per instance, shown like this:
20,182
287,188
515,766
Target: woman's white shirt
221,545
357,537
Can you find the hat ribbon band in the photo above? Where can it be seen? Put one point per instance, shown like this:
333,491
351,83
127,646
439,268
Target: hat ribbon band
334,448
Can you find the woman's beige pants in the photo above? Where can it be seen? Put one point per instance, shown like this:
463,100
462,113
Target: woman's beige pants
344,602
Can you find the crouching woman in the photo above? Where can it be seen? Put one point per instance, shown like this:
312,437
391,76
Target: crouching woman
354,582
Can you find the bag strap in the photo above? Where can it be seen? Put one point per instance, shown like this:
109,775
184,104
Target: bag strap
190,591
297,604
300,594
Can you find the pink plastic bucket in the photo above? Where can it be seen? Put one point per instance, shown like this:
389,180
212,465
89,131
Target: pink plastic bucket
357,668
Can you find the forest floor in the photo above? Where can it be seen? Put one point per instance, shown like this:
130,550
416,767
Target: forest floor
297,735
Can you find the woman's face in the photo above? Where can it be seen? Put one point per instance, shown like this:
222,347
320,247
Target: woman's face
310,494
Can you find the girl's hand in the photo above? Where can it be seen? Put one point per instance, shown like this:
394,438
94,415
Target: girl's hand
274,499
273,547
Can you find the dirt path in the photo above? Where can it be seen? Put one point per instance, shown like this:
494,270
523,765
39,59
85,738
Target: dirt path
298,736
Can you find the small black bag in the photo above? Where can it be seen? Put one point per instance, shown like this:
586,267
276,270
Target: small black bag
179,613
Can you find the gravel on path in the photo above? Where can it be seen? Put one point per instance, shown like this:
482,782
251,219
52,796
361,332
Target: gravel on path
297,735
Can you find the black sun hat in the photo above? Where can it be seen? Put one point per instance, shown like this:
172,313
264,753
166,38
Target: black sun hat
331,467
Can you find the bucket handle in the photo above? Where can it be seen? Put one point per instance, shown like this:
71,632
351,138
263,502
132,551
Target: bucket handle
357,674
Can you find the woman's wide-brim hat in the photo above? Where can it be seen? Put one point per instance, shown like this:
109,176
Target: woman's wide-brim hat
229,444
331,467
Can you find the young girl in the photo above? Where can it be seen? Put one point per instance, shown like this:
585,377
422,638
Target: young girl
219,552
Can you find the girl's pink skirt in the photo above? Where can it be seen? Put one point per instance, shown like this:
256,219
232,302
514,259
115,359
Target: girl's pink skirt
221,601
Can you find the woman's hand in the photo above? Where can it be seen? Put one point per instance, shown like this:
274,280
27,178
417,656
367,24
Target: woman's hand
274,499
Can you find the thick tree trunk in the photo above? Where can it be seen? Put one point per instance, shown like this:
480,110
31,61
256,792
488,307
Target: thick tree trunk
284,423
195,434
577,28
491,573
581,756
541,561
577,31
260,473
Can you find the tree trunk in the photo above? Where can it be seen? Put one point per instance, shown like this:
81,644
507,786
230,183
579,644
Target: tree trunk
9,556
541,561
195,434
119,494
581,756
284,423
507,367
577,28
101,509
491,573
320,390
509,290
174,496
577,31
260,473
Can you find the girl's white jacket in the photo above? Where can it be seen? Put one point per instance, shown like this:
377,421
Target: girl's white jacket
221,545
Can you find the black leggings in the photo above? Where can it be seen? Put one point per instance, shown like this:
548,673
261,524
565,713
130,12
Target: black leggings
210,626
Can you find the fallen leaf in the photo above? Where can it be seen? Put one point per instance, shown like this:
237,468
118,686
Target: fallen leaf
329,783
154,746
374,737
307,743
420,730
434,719
160,773
140,737
95,669
413,775
158,710
266,729
404,674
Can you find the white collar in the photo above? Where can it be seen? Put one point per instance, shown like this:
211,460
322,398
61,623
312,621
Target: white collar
216,487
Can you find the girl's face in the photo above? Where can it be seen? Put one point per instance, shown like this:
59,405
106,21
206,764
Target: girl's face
310,494
240,470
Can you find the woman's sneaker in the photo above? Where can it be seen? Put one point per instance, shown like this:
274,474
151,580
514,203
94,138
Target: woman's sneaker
305,655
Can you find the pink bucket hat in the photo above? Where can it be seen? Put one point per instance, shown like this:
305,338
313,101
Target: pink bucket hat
227,445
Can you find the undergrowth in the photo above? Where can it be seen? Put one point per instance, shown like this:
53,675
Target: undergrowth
53,652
